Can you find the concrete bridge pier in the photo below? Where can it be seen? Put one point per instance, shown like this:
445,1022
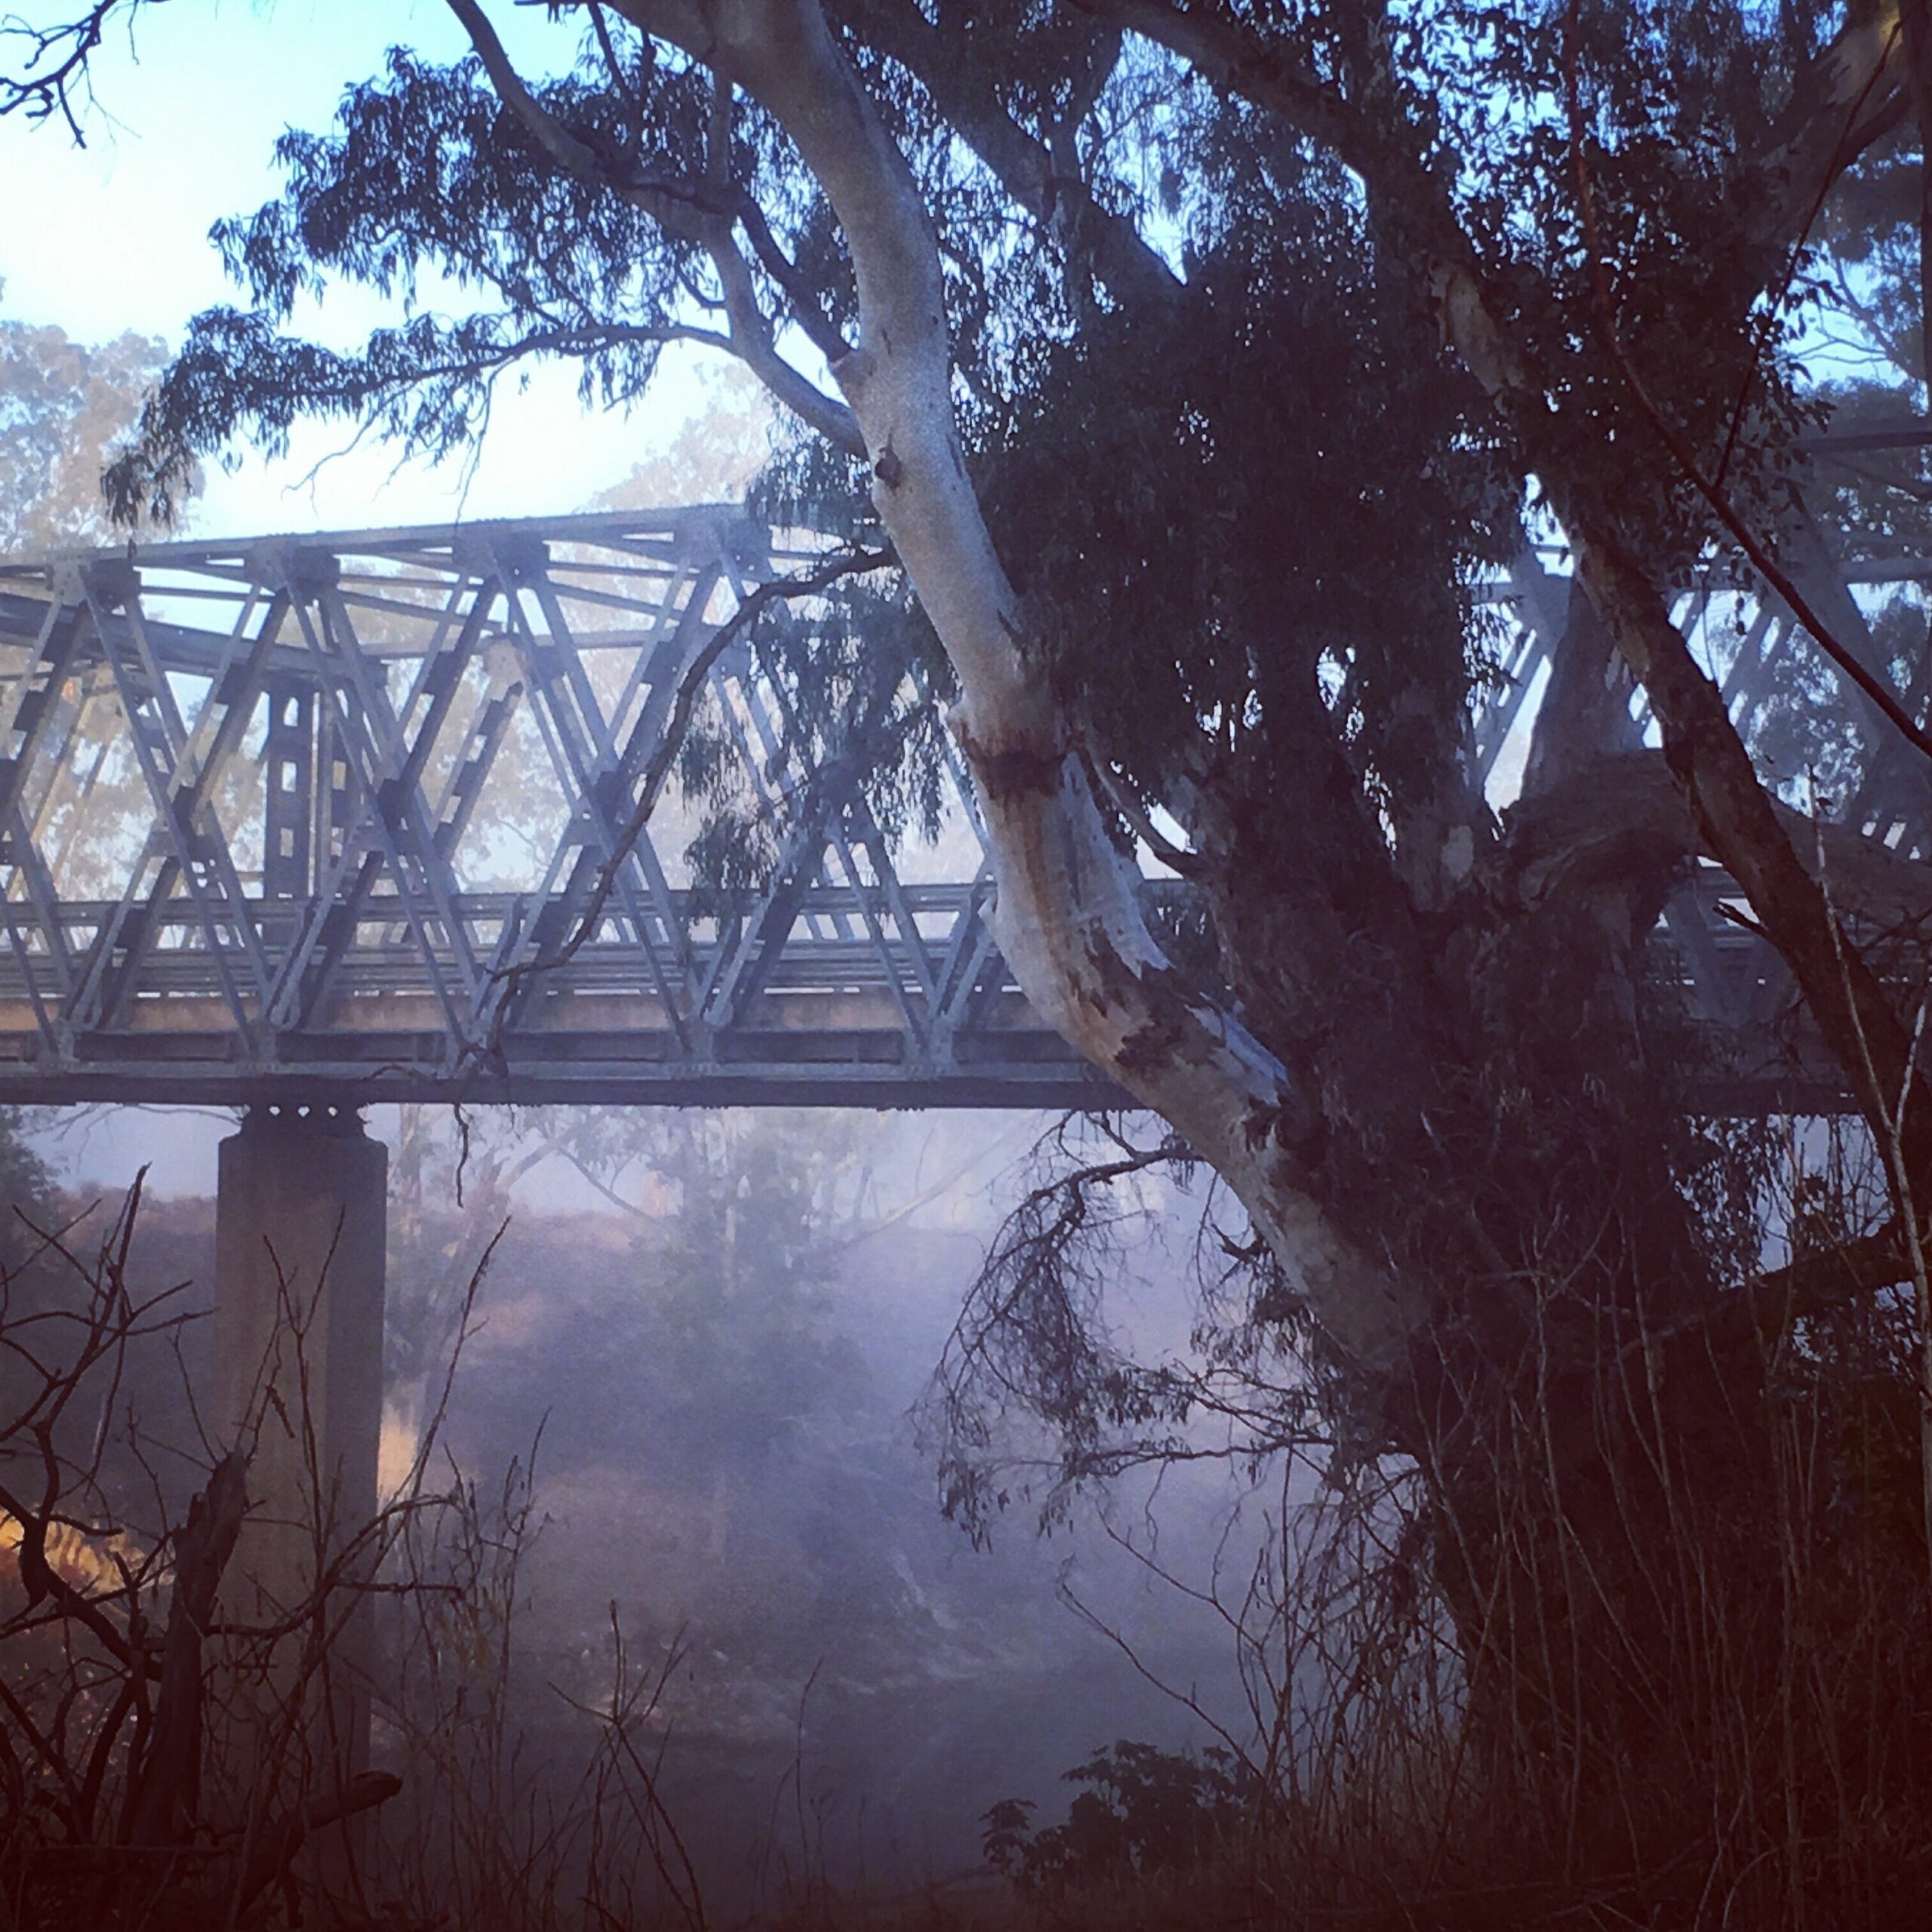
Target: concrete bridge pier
300,1232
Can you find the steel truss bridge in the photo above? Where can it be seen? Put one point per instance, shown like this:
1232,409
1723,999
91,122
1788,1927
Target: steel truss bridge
295,818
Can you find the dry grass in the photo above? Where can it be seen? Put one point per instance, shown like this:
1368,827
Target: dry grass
1666,1667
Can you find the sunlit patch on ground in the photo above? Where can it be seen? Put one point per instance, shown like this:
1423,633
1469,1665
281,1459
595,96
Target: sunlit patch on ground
86,1561
395,1453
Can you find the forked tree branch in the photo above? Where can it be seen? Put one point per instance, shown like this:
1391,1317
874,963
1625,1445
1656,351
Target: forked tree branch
690,212
1107,244
40,90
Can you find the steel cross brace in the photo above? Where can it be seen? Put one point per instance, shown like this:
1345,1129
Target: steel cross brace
359,693
598,779
188,844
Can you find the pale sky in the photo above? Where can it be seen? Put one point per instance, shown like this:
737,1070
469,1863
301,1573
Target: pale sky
115,236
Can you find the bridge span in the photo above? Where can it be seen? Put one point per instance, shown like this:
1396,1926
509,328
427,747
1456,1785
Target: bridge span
318,819
333,819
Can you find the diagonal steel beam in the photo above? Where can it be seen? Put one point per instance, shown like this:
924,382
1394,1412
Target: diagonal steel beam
392,829
189,848
203,761
583,752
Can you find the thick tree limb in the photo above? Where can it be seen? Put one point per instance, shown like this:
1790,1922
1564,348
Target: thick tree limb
1854,95
1110,243
281,1837
1613,816
810,317
1586,705
1740,824
1230,57
1816,1282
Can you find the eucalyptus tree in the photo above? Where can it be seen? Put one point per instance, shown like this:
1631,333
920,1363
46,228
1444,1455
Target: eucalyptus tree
1195,360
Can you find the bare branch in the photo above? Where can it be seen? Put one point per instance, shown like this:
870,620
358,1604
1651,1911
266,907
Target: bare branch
56,63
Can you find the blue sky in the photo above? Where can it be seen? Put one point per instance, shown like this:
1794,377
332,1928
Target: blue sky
114,236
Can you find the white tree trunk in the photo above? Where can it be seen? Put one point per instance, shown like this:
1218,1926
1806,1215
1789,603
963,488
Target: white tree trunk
1068,918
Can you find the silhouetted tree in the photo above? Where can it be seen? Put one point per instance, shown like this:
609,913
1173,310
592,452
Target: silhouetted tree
1196,359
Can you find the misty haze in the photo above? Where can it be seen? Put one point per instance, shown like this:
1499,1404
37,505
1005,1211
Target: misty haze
963,963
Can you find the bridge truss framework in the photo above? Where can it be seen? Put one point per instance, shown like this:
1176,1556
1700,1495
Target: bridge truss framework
316,819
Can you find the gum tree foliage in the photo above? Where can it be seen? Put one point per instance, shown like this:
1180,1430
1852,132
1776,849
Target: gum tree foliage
66,408
25,1187
731,1348
1196,357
